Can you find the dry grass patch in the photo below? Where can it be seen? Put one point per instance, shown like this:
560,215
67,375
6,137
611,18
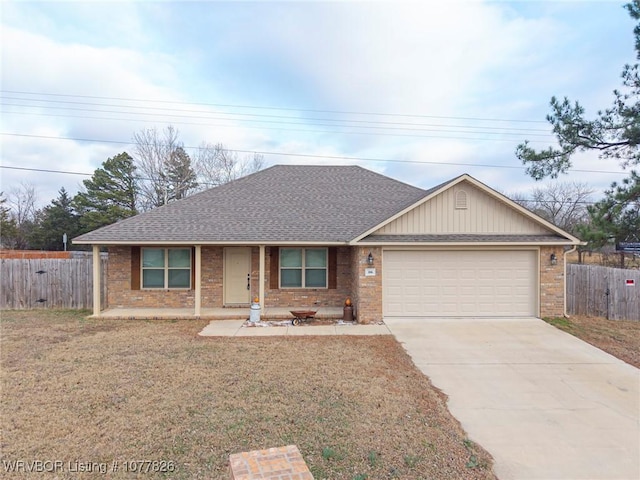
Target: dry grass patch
620,338
99,390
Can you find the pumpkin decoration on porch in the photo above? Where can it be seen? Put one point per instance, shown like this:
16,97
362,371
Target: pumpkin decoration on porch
347,302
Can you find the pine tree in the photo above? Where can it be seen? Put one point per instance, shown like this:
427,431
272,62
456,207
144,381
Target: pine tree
110,195
58,218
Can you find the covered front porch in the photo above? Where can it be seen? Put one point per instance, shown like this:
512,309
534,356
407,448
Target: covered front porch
270,313
224,281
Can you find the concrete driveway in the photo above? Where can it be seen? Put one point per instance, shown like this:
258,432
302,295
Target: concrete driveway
545,404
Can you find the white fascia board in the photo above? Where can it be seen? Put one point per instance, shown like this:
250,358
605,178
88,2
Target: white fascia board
192,243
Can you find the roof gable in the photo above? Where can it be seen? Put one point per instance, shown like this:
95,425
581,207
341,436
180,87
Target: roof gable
463,209
465,206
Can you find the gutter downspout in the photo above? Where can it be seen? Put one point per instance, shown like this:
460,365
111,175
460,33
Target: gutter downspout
575,247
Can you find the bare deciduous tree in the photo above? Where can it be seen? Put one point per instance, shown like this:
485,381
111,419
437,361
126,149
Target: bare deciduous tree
22,201
562,203
165,168
215,165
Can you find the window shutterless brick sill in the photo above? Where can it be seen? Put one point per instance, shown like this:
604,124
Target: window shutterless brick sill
281,463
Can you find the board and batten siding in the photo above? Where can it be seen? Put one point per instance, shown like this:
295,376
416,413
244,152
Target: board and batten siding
482,215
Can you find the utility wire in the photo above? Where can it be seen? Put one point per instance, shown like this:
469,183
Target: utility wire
235,114
260,107
308,155
341,132
46,170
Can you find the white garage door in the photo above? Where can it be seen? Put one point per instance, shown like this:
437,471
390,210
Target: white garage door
459,283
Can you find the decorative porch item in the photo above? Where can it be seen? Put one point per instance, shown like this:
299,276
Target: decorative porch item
302,315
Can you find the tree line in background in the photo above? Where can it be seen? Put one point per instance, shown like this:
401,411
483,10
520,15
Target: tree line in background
160,171
117,191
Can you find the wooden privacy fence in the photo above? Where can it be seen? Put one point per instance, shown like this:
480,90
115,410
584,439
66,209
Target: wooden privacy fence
613,293
49,283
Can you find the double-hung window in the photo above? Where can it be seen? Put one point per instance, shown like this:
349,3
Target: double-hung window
303,268
166,268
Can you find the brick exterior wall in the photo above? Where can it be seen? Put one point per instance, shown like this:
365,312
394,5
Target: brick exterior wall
121,295
212,261
309,297
551,282
368,300
365,292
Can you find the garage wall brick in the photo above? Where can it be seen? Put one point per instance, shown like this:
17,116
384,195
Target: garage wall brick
552,282
368,299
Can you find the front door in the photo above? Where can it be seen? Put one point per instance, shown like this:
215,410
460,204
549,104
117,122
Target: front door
237,276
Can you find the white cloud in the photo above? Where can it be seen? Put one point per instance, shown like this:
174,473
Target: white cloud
452,59
427,57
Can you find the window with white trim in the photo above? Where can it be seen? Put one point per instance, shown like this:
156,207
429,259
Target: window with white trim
303,268
166,268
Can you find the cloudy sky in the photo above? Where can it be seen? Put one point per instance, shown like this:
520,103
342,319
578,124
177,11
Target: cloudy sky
420,91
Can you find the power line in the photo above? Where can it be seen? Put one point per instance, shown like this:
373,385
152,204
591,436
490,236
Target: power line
66,172
261,107
46,170
341,132
306,155
284,117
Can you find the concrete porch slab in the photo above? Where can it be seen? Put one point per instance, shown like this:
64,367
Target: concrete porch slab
222,328
242,313
234,328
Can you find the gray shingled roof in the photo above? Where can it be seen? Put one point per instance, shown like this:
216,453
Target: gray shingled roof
284,203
